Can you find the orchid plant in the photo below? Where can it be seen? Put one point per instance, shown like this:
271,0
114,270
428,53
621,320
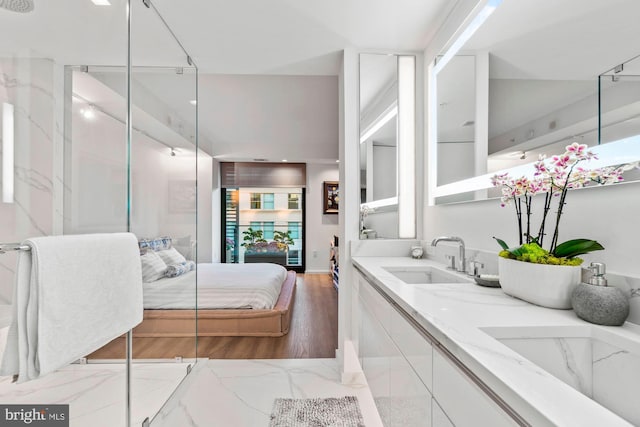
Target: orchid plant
553,178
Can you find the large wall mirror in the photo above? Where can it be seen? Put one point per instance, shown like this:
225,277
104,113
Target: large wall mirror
378,129
387,145
522,79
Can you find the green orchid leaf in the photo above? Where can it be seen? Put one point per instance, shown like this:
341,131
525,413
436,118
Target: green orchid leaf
502,243
572,248
518,251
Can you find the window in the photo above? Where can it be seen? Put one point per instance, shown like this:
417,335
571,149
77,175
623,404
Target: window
267,230
262,201
294,229
256,202
267,201
293,257
267,211
294,201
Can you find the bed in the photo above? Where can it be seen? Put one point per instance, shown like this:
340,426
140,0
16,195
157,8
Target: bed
233,300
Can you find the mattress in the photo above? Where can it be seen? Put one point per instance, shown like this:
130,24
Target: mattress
254,286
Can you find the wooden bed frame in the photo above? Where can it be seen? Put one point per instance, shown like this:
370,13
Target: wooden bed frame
223,322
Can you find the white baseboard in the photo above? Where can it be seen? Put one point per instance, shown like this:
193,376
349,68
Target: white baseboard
317,271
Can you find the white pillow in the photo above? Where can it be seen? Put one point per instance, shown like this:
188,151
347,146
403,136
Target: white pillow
153,267
171,256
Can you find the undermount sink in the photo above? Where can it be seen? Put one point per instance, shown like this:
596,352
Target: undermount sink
599,363
421,275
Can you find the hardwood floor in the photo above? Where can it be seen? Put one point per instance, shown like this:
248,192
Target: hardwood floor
313,333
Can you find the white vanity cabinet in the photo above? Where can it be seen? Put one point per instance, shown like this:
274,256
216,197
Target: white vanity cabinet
413,379
400,395
464,403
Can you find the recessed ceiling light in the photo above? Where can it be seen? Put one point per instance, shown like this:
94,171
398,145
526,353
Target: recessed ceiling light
284,160
101,2
338,161
193,102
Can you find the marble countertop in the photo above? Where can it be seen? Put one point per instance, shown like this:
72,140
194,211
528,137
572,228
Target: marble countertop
459,314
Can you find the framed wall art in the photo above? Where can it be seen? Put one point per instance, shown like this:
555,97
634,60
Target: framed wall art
331,195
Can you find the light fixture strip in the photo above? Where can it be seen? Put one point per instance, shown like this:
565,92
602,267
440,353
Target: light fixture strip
476,23
406,146
389,114
7,152
101,2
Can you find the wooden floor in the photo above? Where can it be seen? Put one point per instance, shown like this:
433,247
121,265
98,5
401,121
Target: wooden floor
313,333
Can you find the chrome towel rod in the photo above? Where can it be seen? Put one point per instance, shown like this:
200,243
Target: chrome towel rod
8,247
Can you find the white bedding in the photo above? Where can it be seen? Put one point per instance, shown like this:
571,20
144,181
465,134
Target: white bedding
219,286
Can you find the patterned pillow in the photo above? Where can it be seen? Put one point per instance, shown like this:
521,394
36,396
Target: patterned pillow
175,270
171,256
153,267
157,244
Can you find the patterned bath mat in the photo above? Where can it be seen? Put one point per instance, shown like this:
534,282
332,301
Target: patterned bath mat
327,412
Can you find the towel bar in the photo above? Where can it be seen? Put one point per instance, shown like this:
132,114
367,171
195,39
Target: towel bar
6,247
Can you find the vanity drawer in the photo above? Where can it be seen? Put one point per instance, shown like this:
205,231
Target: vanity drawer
462,401
415,348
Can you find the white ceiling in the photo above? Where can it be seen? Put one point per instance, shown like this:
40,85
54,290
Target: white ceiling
228,38
297,37
305,38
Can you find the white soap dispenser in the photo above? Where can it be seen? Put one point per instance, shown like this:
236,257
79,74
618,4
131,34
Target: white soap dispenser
598,303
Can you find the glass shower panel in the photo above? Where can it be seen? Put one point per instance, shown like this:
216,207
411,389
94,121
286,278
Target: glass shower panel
63,164
164,202
619,106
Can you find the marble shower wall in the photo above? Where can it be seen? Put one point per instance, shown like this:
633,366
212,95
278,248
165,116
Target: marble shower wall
28,84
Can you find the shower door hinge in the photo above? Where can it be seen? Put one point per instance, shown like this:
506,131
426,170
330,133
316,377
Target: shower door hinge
146,422
618,68
147,3
189,61
178,359
82,361
188,368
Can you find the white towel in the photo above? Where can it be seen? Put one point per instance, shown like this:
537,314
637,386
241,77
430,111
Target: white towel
72,295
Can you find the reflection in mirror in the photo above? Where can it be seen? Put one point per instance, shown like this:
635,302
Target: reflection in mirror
378,127
456,119
387,145
542,87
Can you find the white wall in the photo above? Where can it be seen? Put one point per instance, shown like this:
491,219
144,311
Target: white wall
349,208
606,214
320,228
271,117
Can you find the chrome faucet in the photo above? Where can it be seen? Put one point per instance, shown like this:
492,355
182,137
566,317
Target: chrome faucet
461,259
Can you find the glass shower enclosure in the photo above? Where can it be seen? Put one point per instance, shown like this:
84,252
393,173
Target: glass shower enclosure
100,135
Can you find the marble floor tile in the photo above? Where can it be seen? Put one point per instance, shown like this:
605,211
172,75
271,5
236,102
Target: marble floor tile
96,392
241,392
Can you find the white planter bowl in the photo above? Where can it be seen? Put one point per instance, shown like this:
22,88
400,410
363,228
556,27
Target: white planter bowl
545,285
